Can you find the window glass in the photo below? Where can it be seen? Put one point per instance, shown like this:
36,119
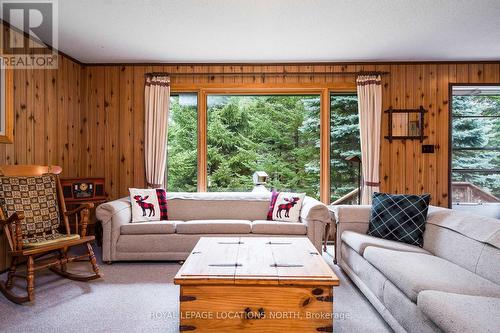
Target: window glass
475,174
278,134
181,172
344,141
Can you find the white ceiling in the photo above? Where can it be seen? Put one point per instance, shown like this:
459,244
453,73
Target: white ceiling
279,30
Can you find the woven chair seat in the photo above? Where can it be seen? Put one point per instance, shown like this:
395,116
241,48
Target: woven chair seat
57,238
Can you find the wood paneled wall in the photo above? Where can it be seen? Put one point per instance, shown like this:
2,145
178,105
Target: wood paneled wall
46,122
90,118
113,114
46,118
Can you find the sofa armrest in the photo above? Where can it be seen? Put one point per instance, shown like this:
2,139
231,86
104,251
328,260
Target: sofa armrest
113,215
351,213
315,215
314,210
349,217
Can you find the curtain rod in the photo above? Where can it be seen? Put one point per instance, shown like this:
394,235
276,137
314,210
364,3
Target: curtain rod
267,73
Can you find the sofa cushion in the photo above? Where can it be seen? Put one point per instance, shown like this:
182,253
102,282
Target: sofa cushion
359,242
148,204
488,265
481,228
288,206
214,227
217,206
460,313
278,228
147,228
414,272
399,217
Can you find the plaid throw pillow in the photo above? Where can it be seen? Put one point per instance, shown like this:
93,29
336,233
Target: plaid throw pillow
274,196
399,217
162,202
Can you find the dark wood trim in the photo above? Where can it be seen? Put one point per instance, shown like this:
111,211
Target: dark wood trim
293,63
419,110
284,73
450,127
408,137
477,148
476,170
477,84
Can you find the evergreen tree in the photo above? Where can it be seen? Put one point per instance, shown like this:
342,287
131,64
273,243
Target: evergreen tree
473,132
276,134
344,138
280,135
182,145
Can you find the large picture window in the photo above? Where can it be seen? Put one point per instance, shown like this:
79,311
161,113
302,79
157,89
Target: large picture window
181,174
475,149
278,134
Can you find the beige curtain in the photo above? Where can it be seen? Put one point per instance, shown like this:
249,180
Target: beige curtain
370,116
157,103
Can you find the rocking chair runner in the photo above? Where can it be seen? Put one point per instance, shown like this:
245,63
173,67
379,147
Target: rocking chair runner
32,207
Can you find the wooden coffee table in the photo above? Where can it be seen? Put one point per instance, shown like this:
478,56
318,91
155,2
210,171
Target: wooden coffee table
256,284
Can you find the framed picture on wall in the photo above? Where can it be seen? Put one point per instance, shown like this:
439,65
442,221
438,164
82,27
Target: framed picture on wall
6,100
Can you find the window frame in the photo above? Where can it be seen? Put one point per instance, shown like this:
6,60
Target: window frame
322,90
450,137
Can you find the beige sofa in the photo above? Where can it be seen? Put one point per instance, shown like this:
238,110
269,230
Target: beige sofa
452,284
193,215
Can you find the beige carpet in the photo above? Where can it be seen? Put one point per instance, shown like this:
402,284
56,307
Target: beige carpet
141,297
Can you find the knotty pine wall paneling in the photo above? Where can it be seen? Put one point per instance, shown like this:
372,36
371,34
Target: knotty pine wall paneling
114,112
113,126
46,122
90,118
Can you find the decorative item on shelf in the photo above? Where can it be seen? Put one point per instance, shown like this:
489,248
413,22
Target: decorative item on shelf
85,190
406,124
77,190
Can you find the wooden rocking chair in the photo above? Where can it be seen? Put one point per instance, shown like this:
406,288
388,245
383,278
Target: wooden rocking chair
32,207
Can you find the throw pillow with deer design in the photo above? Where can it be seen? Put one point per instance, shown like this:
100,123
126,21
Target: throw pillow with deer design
148,204
287,206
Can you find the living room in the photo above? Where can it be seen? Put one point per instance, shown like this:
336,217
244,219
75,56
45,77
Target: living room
217,166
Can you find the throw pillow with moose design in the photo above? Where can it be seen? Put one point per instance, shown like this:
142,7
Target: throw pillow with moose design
148,204
286,206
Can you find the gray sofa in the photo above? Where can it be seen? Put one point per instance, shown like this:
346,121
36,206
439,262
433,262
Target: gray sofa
193,215
452,284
